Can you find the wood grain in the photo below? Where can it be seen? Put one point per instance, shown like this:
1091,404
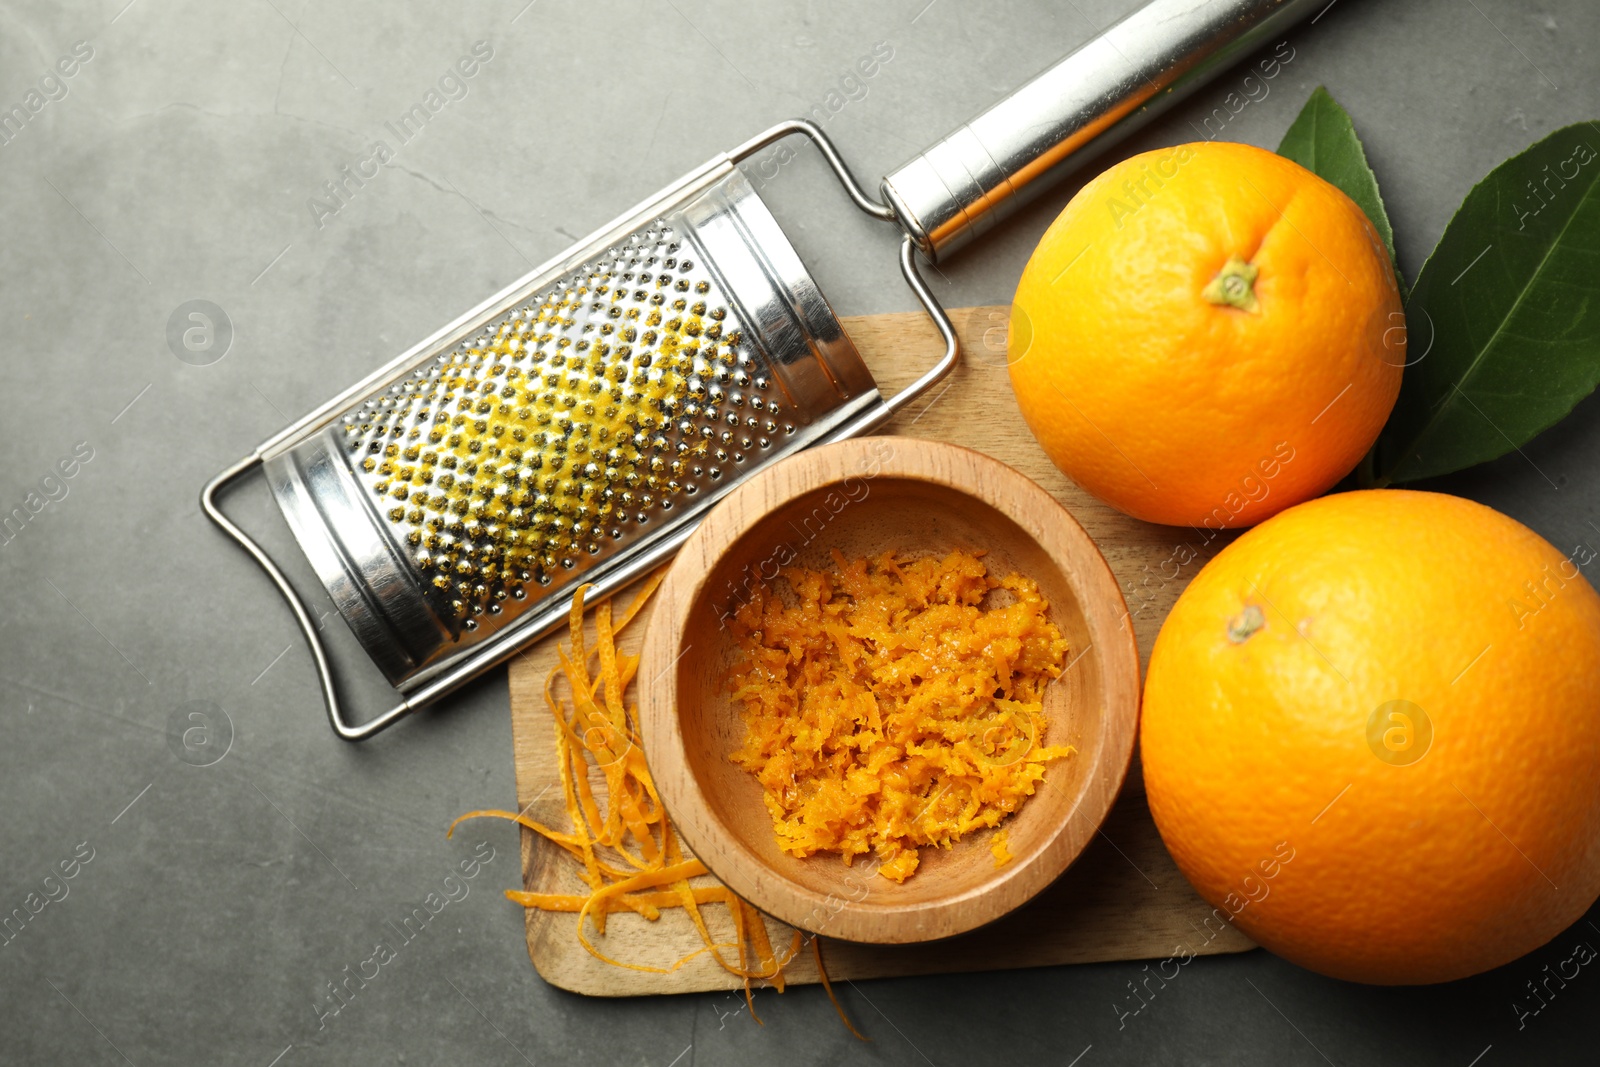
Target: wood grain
861,498
1122,899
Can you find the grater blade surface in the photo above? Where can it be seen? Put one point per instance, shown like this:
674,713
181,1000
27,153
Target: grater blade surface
609,399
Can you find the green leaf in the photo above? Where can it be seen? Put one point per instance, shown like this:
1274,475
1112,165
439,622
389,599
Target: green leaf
1323,140
1503,326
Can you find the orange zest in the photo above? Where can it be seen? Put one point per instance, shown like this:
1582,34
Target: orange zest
627,854
816,948
1000,846
887,708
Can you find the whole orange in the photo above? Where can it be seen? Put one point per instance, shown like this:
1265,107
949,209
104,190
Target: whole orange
1371,736
1206,335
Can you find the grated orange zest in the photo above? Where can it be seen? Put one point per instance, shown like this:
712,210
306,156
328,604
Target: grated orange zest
1000,846
887,708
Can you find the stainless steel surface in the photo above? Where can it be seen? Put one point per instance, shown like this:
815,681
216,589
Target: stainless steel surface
960,186
876,416
319,655
701,176
569,430
531,447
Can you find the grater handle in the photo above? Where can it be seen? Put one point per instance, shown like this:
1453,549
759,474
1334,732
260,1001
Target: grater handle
874,417
330,694
962,184
947,331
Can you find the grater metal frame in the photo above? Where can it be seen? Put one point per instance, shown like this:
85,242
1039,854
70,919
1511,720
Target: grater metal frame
861,414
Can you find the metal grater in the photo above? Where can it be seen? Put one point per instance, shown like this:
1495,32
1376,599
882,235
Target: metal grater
573,428
588,411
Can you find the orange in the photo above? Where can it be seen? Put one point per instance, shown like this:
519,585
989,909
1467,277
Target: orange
1371,736
1207,335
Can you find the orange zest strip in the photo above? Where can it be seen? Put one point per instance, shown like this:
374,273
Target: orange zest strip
609,674
591,866
703,894
794,949
646,880
571,842
539,828
596,733
650,585
575,628
766,959
822,971
739,920
576,901
572,748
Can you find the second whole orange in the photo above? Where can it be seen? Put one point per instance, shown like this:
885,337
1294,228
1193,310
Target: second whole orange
1371,736
1206,335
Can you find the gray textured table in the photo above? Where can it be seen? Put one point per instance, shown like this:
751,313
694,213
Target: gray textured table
182,160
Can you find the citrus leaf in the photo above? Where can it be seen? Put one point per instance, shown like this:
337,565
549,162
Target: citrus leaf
1503,326
1323,140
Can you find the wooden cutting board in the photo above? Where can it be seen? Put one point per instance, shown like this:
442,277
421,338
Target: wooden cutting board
1122,899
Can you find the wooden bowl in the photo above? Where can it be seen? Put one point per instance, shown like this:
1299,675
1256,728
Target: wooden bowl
864,496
